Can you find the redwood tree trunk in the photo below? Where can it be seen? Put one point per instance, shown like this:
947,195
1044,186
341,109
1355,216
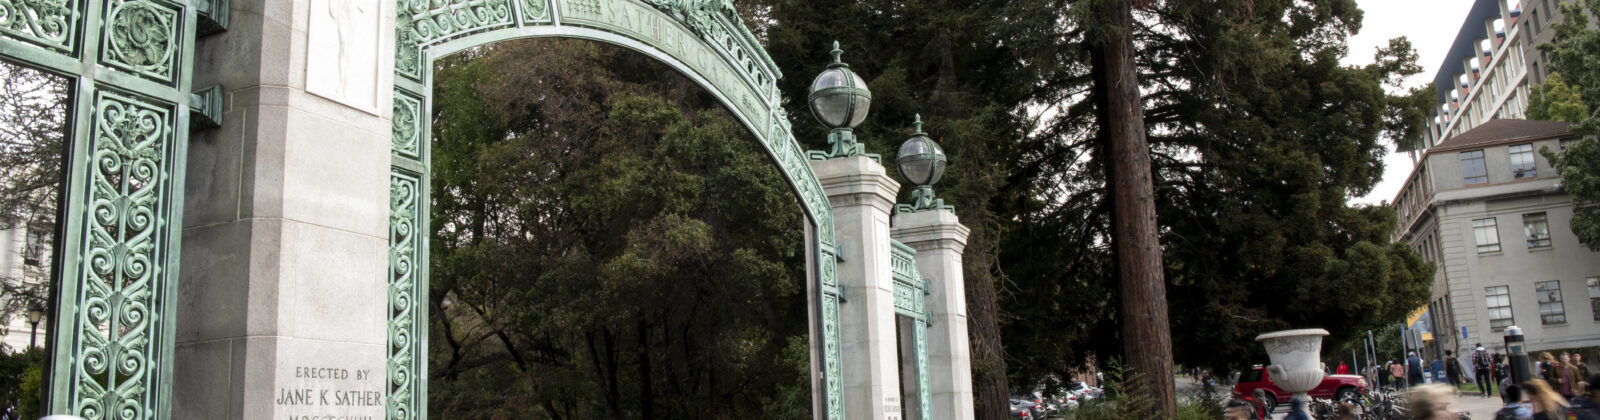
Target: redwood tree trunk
1146,338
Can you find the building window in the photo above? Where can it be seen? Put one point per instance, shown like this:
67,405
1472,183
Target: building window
1550,309
1472,167
1522,165
1537,229
1565,143
1499,302
1594,296
1488,235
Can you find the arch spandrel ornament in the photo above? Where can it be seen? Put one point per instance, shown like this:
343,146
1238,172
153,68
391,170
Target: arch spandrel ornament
704,39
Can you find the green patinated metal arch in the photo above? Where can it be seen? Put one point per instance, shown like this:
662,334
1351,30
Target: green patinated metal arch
703,39
131,108
133,105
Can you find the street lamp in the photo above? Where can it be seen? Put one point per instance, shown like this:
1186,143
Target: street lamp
840,99
922,162
35,313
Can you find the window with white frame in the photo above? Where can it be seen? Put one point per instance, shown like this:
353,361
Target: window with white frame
1550,309
1498,299
1472,169
1594,296
1522,165
1536,227
1487,234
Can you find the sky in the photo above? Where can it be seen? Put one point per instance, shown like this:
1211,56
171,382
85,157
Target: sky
1431,26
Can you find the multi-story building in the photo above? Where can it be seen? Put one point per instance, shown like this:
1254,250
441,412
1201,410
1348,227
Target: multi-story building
24,263
1487,209
1484,76
1537,17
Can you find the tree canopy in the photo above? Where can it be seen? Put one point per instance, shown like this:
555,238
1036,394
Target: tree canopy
1574,56
608,242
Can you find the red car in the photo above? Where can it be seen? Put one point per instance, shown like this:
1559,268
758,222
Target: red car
1340,386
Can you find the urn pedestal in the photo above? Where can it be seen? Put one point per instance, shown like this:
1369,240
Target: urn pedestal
1296,359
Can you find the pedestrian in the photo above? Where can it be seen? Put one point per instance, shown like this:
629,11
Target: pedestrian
1583,369
1297,410
1482,370
1431,402
1547,404
1414,369
1569,377
1452,370
1399,372
1585,407
1514,408
1547,369
1343,369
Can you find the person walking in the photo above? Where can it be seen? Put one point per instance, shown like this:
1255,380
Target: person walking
1585,407
1399,373
1514,408
1452,370
1547,404
1482,370
1568,387
1583,369
1414,369
1343,369
1547,368
1431,402
1297,410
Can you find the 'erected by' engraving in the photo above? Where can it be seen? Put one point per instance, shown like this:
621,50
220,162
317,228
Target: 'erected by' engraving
334,392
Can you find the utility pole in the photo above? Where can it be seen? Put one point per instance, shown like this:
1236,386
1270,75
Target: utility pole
1146,336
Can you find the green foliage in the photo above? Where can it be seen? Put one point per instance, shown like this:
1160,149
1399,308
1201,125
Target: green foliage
611,244
1120,403
1574,54
1579,165
21,381
1259,138
1555,100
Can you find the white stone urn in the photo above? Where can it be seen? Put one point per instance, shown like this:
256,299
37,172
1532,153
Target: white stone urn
1296,359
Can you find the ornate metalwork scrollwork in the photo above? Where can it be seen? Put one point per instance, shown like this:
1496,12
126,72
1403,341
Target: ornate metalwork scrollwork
125,247
142,38
404,366
47,23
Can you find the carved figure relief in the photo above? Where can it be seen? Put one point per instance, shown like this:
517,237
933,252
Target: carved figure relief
342,52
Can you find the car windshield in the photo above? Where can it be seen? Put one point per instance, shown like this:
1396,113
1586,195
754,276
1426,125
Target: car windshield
1252,375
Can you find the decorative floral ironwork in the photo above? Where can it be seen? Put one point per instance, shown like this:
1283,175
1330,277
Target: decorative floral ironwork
406,125
405,277
122,278
535,11
831,357
48,23
141,38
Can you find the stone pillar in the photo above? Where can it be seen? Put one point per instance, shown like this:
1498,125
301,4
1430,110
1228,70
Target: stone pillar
283,290
862,195
940,238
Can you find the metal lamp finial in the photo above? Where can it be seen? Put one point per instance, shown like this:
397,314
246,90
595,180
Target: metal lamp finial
837,53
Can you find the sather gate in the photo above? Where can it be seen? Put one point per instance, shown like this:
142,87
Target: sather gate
285,230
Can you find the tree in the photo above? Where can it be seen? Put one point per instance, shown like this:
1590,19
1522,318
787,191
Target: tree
1259,137
1555,100
1579,165
33,129
1146,337
1575,53
608,243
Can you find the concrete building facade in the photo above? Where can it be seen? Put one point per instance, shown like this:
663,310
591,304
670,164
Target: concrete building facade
1489,212
1484,76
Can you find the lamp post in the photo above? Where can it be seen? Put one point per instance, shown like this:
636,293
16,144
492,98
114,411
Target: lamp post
35,313
922,162
840,100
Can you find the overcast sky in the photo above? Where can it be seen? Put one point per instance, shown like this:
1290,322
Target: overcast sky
1431,25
